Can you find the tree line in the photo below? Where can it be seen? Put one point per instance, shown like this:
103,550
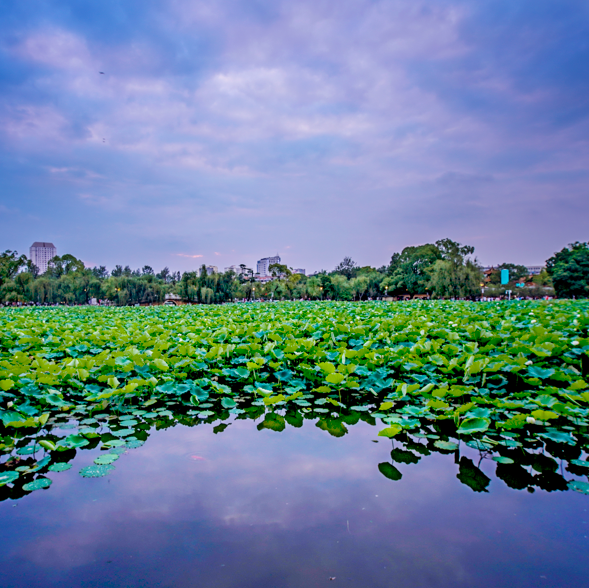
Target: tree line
444,269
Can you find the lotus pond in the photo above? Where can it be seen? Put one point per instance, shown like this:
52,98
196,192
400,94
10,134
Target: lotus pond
379,444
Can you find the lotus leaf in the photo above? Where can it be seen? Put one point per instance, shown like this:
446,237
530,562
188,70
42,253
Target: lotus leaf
8,477
446,445
96,471
106,459
473,425
38,484
59,467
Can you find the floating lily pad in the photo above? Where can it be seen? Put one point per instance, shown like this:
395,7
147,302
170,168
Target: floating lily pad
113,443
59,467
446,445
26,450
134,444
8,477
580,462
106,459
38,484
558,436
502,459
579,486
122,432
96,471
128,423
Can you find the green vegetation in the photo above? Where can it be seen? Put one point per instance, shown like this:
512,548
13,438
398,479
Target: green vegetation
507,379
445,269
569,270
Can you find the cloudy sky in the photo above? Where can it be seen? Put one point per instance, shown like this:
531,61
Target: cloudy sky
225,131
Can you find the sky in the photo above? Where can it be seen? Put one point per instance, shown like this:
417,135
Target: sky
225,131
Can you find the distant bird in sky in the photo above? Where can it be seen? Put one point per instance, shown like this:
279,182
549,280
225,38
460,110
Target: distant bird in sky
101,72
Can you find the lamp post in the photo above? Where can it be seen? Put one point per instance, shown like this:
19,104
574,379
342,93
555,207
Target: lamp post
254,292
321,290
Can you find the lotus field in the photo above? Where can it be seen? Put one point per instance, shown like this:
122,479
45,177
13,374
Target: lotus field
507,380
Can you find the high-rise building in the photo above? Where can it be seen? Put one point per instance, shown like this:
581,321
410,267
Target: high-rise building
212,269
298,270
265,263
40,254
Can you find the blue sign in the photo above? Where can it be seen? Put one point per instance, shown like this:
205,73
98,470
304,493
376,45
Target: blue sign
504,276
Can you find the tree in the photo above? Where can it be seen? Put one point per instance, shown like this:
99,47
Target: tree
569,270
347,268
279,270
147,270
100,272
451,279
10,264
455,276
164,275
409,270
60,266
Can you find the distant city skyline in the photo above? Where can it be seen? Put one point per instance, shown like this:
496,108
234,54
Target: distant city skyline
40,253
221,131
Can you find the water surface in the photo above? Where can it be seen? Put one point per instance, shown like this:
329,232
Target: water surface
255,508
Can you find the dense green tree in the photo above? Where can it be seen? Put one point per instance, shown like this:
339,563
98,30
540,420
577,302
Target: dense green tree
10,264
450,279
409,270
569,270
455,275
347,268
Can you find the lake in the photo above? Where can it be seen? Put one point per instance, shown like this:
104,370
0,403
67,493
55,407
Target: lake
205,507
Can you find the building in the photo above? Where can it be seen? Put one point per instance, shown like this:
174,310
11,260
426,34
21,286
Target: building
236,269
534,270
212,269
299,270
263,266
40,254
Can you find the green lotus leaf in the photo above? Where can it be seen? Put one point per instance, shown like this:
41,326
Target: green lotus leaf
38,484
541,373
473,425
558,436
228,403
502,459
390,431
8,477
74,441
106,459
123,432
579,486
134,443
446,445
96,471
59,467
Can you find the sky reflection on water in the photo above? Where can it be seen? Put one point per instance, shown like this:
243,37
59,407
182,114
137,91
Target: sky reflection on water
253,508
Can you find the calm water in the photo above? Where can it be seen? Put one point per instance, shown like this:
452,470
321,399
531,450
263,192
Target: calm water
249,508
